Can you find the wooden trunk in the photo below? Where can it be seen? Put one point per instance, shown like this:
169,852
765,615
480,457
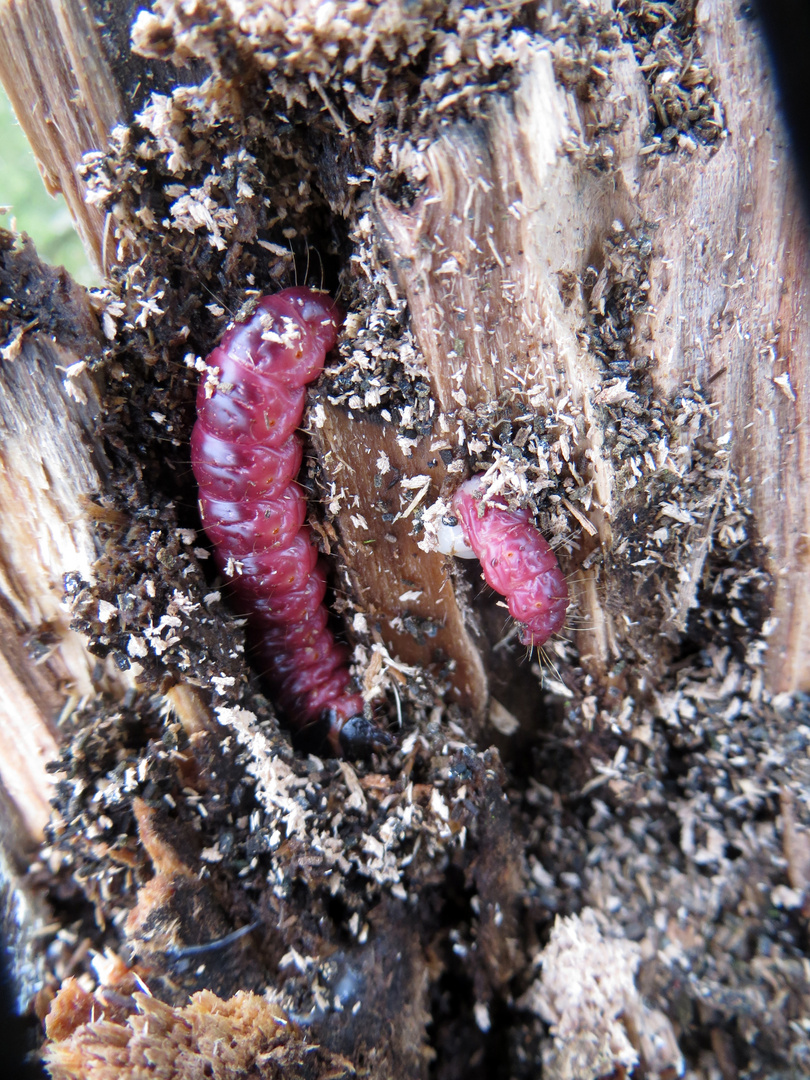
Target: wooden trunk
573,258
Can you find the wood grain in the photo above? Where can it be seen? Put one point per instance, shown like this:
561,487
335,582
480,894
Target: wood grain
405,593
507,214
51,465
51,55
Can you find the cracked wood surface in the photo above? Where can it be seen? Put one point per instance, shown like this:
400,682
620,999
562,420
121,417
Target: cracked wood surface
480,257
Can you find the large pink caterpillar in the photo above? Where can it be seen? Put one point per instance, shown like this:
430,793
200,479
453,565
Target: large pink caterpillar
515,558
246,454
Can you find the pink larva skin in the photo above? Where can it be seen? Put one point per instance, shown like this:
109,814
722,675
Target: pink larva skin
246,455
516,561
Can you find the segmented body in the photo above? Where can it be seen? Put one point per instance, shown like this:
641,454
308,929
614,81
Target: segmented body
246,454
516,561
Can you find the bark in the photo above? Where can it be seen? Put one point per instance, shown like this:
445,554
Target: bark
581,267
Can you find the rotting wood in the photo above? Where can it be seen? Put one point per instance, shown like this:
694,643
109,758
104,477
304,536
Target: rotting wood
405,594
728,304
52,465
482,286
504,219
650,873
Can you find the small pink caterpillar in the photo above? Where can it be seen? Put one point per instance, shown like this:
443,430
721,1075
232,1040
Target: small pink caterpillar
515,558
246,455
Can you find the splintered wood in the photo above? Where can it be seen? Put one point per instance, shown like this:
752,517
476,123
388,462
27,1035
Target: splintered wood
51,464
483,257
51,54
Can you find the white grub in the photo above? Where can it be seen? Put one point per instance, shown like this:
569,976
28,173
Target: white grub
587,993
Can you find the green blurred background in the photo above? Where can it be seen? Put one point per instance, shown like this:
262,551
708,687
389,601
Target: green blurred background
45,219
